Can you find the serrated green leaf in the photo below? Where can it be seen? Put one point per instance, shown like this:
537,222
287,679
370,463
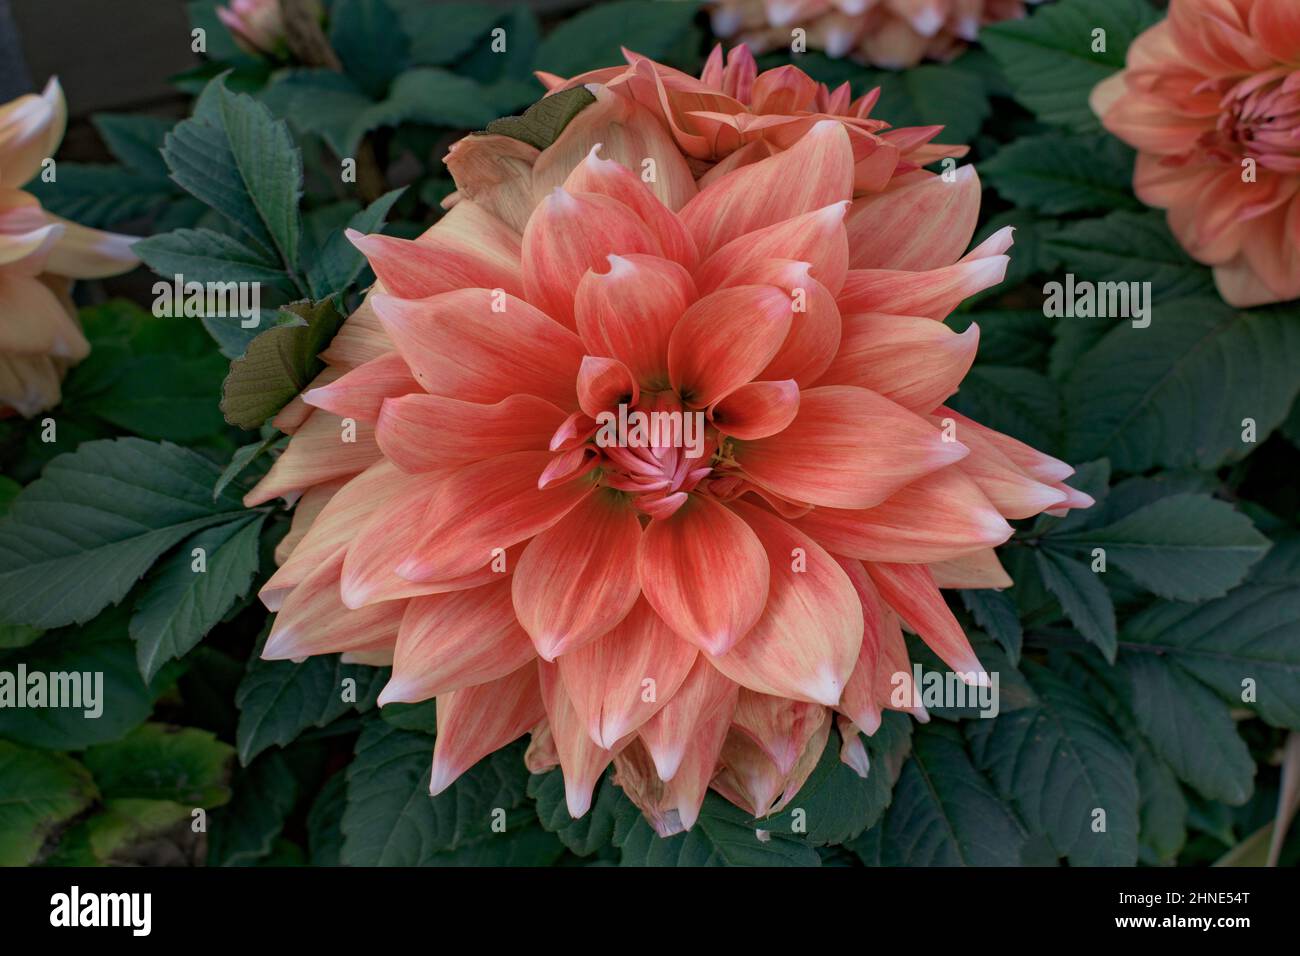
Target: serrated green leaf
433,96
339,262
1190,728
1185,547
442,33
944,812
543,122
178,605
612,814
995,612
244,831
278,364
324,833
1176,394
79,537
202,255
321,102
135,140
724,835
278,700
1057,173
1059,763
99,196
592,38
929,95
1083,597
1048,57
160,762
41,791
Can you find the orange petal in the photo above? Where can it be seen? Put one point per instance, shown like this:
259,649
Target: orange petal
424,432
704,697
318,451
756,410
725,339
910,590
581,760
781,727
816,237
478,720
923,224
314,620
360,392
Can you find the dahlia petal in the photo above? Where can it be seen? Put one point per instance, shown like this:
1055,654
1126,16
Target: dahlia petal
846,448
318,451
376,546
478,720
450,641
705,572
305,513
360,392
936,518
933,294
816,237
752,781
608,178
910,590
774,190
725,339
604,384
1033,462
781,727
930,222
853,753
912,361
1275,25
1012,492
756,410
571,233
979,569
581,760
478,346
606,678
483,509
361,338
31,128
577,579
419,268
628,313
424,432
36,322
805,643
705,696
314,620
495,173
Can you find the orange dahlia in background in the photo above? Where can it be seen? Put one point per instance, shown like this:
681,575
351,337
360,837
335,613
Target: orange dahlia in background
1206,91
893,34
696,616
40,255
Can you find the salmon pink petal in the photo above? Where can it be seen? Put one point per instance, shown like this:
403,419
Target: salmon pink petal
608,178
604,384
1031,461
581,760
494,173
474,722
1012,492
913,361
571,233
425,432
323,449
450,641
484,508
478,346
979,569
725,339
378,544
941,516
816,237
578,579
846,448
853,753
774,190
619,681
1275,24
672,732
432,264
781,727
805,643
756,410
933,294
910,590
705,572
629,312
360,392
314,620
922,224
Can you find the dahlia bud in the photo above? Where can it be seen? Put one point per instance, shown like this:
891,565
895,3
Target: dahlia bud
258,26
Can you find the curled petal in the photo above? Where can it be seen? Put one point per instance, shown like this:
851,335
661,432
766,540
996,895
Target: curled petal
756,410
425,432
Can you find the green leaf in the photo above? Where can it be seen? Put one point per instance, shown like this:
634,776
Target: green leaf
167,398
932,95
339,262
1162,813
543,122
1058,763
944,812
1083,597
278,700
433,96
593,38
202,255
1126,246
41,791
1057,173
244,457
279,364
611,817
245,830
160,762
122,701
1008,336
1189,726
178,605
324,834
368,37
79,537
9,490
724,835
1246,640
1018,401
441,33
135,140
129,833
391,820
995,612
17,635
1048,57
100,196
1185,547
1176,394
324,103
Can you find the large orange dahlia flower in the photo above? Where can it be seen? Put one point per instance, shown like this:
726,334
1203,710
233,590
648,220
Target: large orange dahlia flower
894,34
40,255
1210,98
694,602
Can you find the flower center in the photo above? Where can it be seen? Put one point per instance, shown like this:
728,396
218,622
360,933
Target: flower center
1260,119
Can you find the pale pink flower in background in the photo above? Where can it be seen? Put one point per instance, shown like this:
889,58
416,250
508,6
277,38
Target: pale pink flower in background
40,255
481,539
257,25
1215,84
893,34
